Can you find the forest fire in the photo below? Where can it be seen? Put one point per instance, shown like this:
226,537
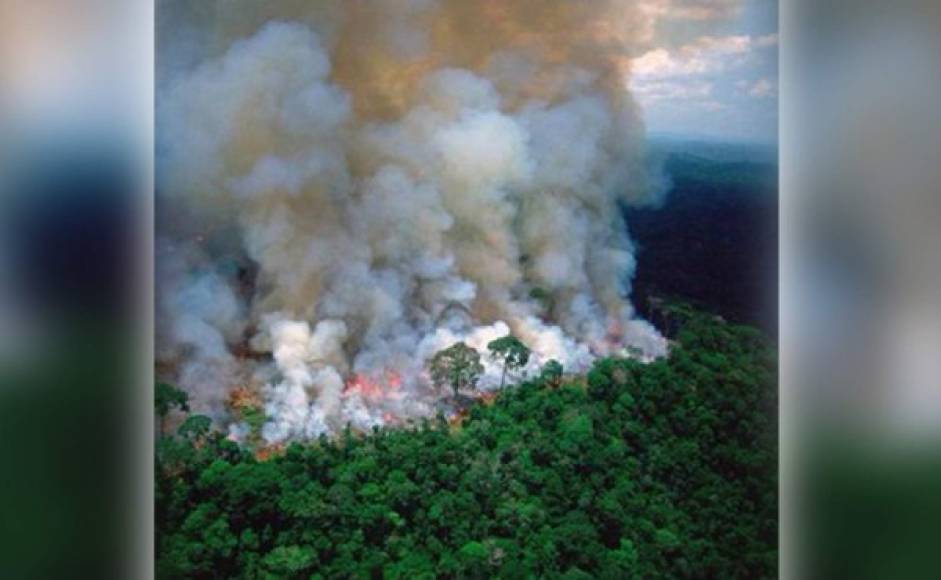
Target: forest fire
242,398
372,389
395,269
351,200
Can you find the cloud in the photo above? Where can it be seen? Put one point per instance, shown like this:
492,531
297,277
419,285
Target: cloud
693,75
692,10
705,55
702,73
672,91
761,89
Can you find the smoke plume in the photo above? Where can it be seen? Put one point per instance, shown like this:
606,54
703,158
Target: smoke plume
345,188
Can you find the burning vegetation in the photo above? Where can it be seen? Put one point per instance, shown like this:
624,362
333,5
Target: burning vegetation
347,189
651,470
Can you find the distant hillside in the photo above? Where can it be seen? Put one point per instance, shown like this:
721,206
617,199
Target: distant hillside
714,240
687,169
717,151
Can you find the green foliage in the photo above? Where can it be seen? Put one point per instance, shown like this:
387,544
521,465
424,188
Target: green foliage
510,351
289,561
195,427
551,372
660,470
457,366
255,418
166,397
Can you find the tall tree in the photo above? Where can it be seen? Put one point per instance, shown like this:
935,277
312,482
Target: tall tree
511,352
166,397
552,372
458,366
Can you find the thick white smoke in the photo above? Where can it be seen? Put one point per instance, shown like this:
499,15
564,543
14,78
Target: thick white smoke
347,189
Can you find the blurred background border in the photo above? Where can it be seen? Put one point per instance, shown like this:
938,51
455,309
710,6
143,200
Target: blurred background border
860,323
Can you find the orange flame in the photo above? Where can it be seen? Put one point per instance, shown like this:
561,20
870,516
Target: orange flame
387,386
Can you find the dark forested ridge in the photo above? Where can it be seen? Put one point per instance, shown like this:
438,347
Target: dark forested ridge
714,239
664,470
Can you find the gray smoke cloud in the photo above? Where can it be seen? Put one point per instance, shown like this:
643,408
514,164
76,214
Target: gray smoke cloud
346,188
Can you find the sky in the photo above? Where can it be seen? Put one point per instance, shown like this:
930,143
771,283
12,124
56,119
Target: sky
720,85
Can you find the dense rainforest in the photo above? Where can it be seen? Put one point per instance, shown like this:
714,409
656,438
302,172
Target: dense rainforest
714,239
659,470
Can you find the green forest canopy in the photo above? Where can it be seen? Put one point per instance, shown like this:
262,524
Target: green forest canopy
634,470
